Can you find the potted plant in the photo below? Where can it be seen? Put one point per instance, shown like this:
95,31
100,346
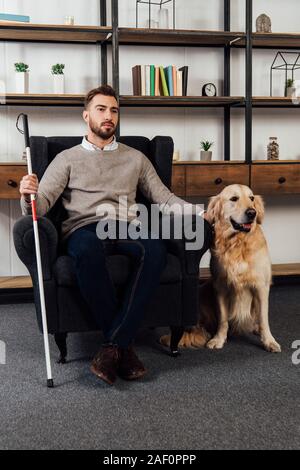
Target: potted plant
205,153
289,88
22,77
57,71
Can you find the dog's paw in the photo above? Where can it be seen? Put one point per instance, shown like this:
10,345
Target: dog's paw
200,337
165,340
271,345
194,339
216,343
256,329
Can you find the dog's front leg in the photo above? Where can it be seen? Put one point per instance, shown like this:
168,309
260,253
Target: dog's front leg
218,341
269,342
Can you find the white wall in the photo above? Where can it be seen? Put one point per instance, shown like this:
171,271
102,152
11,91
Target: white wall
186,126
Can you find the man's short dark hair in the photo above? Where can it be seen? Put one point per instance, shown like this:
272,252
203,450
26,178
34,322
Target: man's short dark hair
105,90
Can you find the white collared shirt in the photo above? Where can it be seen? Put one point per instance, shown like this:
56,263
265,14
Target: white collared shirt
89,146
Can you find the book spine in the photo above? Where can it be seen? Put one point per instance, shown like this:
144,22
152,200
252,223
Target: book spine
184,79
163,81
10,17
157,92
135,80
179,83
152,80
170,80
174,72
147,78
143,80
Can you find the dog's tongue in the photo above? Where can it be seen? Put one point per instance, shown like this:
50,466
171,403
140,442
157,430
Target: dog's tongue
247,226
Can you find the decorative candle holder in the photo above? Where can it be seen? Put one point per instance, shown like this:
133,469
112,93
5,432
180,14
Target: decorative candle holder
163,18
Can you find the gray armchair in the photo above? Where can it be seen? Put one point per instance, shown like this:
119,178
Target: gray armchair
175,303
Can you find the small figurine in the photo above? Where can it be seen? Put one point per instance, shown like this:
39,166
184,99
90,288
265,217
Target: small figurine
263,24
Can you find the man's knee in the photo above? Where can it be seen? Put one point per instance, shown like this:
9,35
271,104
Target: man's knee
85,247
155,251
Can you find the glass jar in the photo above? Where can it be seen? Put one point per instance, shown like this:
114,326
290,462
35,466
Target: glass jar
273,149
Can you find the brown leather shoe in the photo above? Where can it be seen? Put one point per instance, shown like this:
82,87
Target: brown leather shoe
130,367
106,362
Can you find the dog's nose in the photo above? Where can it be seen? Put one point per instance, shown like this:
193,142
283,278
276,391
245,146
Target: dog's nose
251,214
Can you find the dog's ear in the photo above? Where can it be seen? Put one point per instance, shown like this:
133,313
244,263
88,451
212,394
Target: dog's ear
213,209
260,209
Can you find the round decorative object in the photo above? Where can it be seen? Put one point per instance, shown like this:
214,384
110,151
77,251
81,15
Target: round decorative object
263,24
209,89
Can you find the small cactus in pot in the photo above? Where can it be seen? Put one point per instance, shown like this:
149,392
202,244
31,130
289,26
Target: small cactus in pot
206,153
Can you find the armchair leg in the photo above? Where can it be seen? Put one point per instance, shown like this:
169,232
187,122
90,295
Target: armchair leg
61,341
176,335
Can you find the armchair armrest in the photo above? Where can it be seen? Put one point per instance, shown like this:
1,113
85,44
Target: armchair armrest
190,258
23,236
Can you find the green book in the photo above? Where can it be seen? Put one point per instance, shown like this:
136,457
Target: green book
163,81
152,80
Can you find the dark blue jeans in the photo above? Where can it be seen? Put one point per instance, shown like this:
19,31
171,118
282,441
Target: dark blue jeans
118,322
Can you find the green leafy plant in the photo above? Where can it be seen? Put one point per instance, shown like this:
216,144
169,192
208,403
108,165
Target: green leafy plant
289,82
58,69
205,145
21,67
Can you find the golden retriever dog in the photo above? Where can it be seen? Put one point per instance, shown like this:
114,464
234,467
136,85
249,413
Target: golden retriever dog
237,295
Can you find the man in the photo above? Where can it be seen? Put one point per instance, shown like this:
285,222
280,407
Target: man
89,176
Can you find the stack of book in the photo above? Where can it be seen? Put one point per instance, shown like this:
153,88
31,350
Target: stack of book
7,17
152,80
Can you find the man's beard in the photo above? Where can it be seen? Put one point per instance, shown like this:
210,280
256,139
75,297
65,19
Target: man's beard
102,131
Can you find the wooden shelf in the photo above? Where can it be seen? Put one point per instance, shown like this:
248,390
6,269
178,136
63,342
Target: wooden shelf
21,163
213,162
276,162
41,100
15,282
185,101
290,269
177,37
274,102
19,282
276,40
27,32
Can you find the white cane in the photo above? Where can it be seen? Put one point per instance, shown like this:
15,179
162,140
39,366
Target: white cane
50,383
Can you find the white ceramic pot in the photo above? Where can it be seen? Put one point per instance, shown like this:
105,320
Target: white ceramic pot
22,82
206,155
58,84
163,18
290,91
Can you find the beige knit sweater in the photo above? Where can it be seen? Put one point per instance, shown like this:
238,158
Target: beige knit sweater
94,183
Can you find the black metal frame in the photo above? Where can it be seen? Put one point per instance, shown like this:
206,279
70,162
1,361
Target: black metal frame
248,110
158,3
285,66
227,73
103,21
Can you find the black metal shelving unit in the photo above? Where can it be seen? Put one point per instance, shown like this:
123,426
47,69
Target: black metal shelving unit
61,34
226,39
125,36
115,37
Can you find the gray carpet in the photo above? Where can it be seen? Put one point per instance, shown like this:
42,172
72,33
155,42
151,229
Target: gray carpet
239,398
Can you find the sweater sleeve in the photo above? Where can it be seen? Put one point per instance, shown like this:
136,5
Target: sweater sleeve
153,188
51,186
